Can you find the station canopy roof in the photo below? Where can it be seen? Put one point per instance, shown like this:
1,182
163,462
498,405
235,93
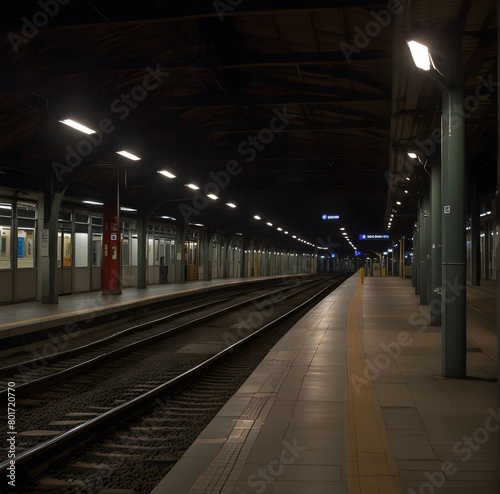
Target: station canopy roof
292,109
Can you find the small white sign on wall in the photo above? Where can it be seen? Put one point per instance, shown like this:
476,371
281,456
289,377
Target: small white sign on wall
45,242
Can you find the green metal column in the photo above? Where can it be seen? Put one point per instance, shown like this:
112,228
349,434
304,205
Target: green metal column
497,209
142,242
180,240
206,245
475,234
416,251
453,219
436,247
424,247
52,205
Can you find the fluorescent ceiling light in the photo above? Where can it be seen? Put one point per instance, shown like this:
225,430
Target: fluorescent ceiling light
123,208
294,236
212,196
230,204
398,203
78,126
197,224
166,173
420,54
412,156
257,217
280,229
168,218
5,206
407,178
95,203
285,232
128,155
269,223
192,186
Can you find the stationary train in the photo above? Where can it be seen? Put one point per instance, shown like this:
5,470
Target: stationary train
79,252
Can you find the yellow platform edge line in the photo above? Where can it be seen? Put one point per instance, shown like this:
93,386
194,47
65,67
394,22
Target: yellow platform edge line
369,459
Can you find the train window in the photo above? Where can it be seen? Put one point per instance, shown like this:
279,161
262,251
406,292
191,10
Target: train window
81,218
96,221
26,232
63,222
5,235
96,248
64,249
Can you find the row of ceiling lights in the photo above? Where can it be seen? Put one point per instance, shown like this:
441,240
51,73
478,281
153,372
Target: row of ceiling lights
168,174
411,155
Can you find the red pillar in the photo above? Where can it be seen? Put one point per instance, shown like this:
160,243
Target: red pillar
111,259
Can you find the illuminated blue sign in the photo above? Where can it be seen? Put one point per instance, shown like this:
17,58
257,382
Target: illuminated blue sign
333,256
330,216
374,236
358,253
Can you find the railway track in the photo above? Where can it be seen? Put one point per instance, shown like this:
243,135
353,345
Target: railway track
34,373
158,375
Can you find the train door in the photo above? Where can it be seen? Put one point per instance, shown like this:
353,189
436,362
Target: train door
216,258
65,254
235,256
96,254
249,260
191,255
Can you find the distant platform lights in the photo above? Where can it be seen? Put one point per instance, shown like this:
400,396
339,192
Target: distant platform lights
170,175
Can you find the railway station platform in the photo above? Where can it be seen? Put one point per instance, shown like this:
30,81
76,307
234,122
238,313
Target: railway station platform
351,401
27,323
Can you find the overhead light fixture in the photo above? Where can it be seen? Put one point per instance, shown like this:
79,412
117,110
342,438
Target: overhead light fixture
230,204
413,156
94,203
78,126
212,196
285,232
279,229
406,192
192,186
166,173
168,218
269,223
294,236
407,178
342,229
398,203
421,55
257,217
124,208
128,155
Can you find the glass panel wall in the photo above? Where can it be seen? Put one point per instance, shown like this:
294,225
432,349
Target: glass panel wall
26,231
5,234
